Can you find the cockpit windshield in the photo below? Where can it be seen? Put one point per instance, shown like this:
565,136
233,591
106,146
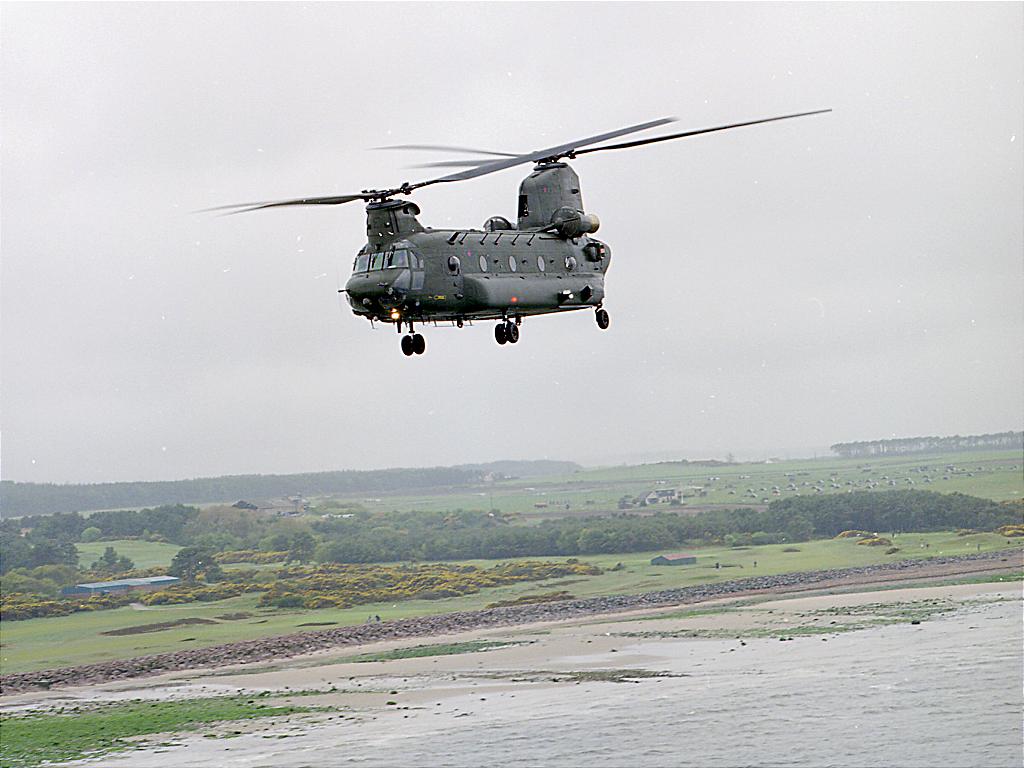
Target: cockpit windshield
395,259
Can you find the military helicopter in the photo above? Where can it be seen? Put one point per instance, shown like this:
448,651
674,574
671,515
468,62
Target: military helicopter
547,262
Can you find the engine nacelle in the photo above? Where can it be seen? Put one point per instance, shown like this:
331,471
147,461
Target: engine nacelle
586,224
570,223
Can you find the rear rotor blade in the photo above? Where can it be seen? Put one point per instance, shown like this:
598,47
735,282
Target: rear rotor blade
446,148
245,207
454,163
641,142
561,150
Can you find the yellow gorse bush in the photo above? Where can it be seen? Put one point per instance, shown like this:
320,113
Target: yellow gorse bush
323,586
876,541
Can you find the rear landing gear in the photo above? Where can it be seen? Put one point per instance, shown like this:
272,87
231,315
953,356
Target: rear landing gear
602,319
506,332
413,344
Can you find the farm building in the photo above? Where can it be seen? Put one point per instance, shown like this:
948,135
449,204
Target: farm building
121,585
290,507
677,559
662,496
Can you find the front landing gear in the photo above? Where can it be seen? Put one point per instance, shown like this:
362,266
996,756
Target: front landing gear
602,319
506,332
413,344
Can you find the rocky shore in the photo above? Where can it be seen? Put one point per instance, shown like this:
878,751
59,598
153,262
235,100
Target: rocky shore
307,642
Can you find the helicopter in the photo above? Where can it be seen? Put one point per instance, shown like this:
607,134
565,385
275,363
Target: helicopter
547,262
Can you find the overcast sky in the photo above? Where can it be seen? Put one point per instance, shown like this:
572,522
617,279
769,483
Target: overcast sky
774,289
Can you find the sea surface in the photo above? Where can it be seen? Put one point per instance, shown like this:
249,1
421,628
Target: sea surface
947,692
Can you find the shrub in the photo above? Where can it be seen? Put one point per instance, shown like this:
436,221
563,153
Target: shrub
250,556
876,541
854,534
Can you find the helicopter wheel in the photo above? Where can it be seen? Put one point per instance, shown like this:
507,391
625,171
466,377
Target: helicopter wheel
501,333
511,332
407,346
602,319
419,344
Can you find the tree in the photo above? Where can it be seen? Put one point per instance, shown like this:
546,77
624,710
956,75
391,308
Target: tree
52,553
92,533
302,548
111,562
192,562
15,551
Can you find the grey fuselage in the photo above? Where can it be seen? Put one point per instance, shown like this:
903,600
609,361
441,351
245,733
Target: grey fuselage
546,263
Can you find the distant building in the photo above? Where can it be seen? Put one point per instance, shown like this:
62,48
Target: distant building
145,584
662,496
290,507
677,559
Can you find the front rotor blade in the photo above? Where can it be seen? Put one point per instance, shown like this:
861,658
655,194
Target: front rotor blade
446,148
245,207
641,142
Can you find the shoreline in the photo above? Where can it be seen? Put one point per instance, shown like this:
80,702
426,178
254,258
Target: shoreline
289,646
546,696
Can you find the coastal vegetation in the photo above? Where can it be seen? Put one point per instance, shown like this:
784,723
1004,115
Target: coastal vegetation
88,637
93,730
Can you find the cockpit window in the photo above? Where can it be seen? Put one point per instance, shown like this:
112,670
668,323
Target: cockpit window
397,259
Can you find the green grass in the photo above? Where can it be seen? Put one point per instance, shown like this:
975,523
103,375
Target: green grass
421,651
145,554
46,643
996,475
34,739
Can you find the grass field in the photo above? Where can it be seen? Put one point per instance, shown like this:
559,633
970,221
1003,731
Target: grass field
995,475
36,739
77,639
145,554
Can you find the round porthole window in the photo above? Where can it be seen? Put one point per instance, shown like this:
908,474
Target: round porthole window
483,263
540,263
512,263
570,263
453,264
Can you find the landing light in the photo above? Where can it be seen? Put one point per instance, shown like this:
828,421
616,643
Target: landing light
395,314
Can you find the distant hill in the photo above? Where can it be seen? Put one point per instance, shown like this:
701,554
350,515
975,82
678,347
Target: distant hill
904,445
539,468
18,499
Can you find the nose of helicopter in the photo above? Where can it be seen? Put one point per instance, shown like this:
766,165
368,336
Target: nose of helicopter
372,293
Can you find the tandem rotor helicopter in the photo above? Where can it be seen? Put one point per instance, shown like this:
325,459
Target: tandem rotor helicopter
546,262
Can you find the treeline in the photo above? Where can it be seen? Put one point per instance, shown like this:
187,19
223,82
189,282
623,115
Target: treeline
421,536
904,445
18,499
426,536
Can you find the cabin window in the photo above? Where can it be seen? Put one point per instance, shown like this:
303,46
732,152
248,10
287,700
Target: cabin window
362,262
570,263
454,264
512,263
376,261
483,263
540,263
397,259
524,207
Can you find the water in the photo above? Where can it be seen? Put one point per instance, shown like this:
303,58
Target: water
944,693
